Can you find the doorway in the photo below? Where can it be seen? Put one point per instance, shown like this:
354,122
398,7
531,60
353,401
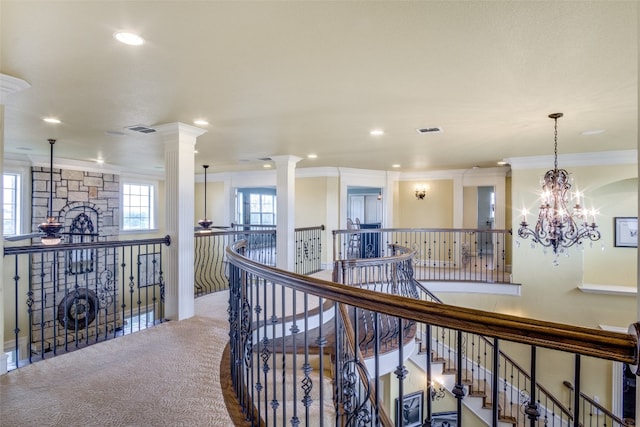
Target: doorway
365,204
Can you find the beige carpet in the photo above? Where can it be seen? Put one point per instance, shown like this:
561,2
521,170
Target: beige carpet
168,375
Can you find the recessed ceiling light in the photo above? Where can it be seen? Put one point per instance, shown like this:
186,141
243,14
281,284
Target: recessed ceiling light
502,163
129,38
195,151
100,161
52,120
376,132
200,122
312,156
267,166
593,132
395,166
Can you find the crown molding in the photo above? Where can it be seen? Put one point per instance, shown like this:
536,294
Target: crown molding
10,84
598,158
501,171
79,165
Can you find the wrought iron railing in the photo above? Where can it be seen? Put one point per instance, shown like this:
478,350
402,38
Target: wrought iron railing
593,413
275,327
72,295
211,267
308,249
506,383
463,255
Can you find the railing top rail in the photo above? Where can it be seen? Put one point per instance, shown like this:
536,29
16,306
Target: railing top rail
422,230
206,233
316,227
405,254
590,342
33,249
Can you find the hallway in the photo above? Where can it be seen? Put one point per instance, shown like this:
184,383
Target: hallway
168,375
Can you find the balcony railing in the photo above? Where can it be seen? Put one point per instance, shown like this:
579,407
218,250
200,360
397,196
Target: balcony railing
463,255
211,267
72,295
286,337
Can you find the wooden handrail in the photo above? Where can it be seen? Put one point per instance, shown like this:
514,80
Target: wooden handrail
575,339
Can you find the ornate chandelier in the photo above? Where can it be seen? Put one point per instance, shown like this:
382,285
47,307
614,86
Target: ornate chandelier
557,226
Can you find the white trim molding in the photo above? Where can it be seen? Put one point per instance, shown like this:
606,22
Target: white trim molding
599,158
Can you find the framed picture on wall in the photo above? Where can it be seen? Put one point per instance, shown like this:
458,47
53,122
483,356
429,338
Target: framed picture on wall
411,410
626,232
444,419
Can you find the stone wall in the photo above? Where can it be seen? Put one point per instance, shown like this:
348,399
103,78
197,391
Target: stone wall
74,188
75,284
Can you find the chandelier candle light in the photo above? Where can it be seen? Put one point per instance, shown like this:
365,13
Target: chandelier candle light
205,223
557,226
51,227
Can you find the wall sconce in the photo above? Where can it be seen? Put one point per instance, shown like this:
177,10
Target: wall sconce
437,390
421,192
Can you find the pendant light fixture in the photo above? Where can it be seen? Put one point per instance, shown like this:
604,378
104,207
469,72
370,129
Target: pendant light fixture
557,226
51,227
205,223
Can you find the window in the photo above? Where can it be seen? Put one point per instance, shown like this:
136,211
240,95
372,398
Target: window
256,206
262,209
138,206
11,208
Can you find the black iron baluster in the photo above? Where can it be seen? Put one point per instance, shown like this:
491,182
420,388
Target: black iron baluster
307,383
576,382
531,408
458,388
16,329
321,342
295,421
401,371
495,382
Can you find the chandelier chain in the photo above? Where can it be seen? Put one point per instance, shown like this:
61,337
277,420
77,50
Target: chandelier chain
555,139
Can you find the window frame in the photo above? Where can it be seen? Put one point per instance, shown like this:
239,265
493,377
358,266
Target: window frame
23,195
153,205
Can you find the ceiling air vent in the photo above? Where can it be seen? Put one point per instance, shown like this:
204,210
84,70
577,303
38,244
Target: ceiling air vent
429,130
141,129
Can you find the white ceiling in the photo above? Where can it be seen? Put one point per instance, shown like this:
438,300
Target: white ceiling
300,77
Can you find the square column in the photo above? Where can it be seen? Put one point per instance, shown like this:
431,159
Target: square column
286,215
179,142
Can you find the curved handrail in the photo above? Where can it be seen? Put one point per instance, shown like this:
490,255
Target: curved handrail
556,336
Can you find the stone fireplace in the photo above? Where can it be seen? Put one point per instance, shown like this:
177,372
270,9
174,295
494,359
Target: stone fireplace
73,295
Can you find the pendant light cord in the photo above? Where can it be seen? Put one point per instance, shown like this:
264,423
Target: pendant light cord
51,142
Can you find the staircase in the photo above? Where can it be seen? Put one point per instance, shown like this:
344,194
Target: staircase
477,380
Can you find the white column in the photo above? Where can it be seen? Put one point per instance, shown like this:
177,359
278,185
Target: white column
179,145
3,357
286,205
458,200
8,86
